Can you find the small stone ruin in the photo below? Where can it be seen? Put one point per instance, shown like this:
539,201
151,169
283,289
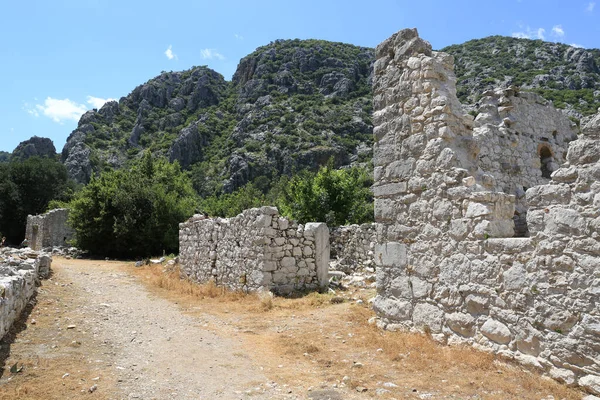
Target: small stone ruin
49,230
255,250
488,227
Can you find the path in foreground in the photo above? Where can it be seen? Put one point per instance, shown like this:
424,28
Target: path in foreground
98,331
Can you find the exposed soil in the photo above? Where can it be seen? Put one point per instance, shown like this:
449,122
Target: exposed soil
108,330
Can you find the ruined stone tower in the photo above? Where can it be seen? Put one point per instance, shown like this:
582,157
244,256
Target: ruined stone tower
452,192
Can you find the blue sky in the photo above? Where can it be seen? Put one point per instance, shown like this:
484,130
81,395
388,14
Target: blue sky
62,57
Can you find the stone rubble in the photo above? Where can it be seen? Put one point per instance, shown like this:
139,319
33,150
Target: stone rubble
453,191
20,270
352,247
256,250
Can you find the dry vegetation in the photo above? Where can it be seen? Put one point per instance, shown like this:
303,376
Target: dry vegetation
324,344
312,344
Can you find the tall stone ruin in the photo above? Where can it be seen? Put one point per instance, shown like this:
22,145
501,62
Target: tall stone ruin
452,195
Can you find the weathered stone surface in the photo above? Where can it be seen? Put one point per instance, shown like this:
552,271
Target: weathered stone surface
352,247
496,331
20,269
591,383
451,194
49,230
255,250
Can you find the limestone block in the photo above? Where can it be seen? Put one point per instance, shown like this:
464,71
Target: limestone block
428,315
270,266
563,375
287,262
395,310
267,210
515,278
390,254
390,189
591,383
400,287
283,223
263,221
461,323
477,304
320,232
420,287
496,331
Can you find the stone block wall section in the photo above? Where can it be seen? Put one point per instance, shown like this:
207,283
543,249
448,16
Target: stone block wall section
446,259
522,139
352,247
19,272
49,229
255,250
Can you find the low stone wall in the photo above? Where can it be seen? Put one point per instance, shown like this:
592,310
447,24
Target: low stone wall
49,229
257,249
352,247
19,271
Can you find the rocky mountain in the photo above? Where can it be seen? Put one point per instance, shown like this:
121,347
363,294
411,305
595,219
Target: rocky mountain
35,146
294,104
291,105
567,75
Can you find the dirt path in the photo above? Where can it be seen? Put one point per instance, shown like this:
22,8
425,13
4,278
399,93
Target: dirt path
136,344
107,330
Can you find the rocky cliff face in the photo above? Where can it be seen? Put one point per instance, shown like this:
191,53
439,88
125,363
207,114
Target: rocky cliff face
294,104
36,146
297,104
151,117
291,105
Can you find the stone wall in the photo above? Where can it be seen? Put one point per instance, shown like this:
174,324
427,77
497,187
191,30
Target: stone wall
19,271
446,259
48,230
257,249
522,139
352,247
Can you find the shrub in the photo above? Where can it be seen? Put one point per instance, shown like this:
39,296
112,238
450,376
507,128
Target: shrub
133,213
27,187
337,197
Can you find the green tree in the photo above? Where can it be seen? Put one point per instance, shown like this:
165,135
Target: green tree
337,197
27,187
136,212
231,204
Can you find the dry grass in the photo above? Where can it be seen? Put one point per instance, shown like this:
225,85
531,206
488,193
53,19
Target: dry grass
171,280
319,340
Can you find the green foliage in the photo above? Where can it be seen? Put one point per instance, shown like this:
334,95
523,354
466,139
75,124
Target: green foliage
27,187
135,212
337,197
231,204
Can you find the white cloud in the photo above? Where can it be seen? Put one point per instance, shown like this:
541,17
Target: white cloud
31,110
590,6
59,110
540,33
558,31
97,102
520,35
530,34
169,53
209,54
238,37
